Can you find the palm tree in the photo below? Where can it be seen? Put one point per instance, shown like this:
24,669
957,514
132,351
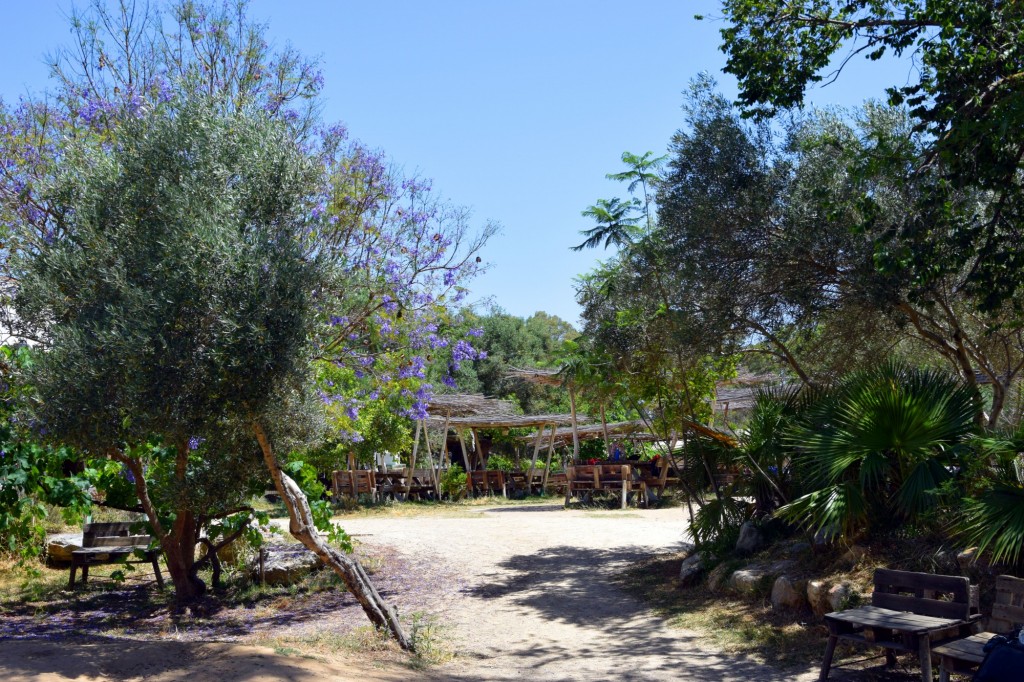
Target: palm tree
641,172
615,225
879,449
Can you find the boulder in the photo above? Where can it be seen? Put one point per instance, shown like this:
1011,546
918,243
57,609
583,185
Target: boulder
751,539
854,554
789,594
751,581
691,570
839,596
757,580
968,558
286,564
60,546
797,548
817,596
687,550
719,577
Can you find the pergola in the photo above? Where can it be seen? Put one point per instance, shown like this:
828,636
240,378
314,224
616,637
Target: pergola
472,411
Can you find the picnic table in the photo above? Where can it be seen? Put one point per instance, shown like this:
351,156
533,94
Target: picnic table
937,606
591,478
394,482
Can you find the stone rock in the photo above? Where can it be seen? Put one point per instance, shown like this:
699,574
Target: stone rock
757,580
691,570
968,558
821,541
817,596
687,550
719,577
286,564
789,594
797,548
751,581
751,539
854,554
839,596
60,546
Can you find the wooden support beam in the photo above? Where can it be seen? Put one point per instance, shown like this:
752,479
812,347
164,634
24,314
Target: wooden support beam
430,458
547,466
533,462
465,454
412,459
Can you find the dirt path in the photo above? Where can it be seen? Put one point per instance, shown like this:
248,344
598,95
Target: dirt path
536,601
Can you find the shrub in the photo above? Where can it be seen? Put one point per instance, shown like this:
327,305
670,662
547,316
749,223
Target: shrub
453,482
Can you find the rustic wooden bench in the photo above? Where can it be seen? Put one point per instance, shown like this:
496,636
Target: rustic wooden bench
486,482
557,483
962,654
353,483
907,611
590,478
109,543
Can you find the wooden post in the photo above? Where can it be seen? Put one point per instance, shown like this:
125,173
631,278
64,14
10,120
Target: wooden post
478,455
430,458
465,454
444,442
547,466
575,425
352,475
665,462
533,462
604,427
412,459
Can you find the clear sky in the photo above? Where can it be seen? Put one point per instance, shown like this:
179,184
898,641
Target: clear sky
515,108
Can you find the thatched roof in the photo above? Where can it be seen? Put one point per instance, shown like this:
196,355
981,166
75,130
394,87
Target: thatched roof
535,375
634,429
508,421
458,405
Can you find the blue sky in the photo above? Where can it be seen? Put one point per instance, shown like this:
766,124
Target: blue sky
516,109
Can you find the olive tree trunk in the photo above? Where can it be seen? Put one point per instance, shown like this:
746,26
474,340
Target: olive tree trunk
301,526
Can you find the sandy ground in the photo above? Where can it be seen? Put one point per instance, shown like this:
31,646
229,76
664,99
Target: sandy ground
525,593
538,602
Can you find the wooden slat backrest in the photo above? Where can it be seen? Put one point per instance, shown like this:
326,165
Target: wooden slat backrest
112,535
926,594
1008,610
597,472
365,482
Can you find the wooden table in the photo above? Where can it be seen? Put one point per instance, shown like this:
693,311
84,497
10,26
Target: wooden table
893,630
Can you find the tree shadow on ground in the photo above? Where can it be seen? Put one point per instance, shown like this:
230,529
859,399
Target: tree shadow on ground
97,657
577,587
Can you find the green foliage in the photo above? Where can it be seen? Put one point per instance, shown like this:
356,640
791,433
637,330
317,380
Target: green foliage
965,100
453,482
879,449
175,304
501,463
992,517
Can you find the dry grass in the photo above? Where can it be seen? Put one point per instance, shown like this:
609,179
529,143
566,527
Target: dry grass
733,625
433,645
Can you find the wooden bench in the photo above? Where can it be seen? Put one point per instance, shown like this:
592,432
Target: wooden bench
109,543
590,478
557,483
353,483
486,482
908,610
965,653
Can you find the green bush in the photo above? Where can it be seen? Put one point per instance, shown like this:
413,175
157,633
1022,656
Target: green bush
453,482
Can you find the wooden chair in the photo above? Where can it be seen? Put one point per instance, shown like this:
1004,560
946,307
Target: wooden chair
110,543
965,653
354,483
